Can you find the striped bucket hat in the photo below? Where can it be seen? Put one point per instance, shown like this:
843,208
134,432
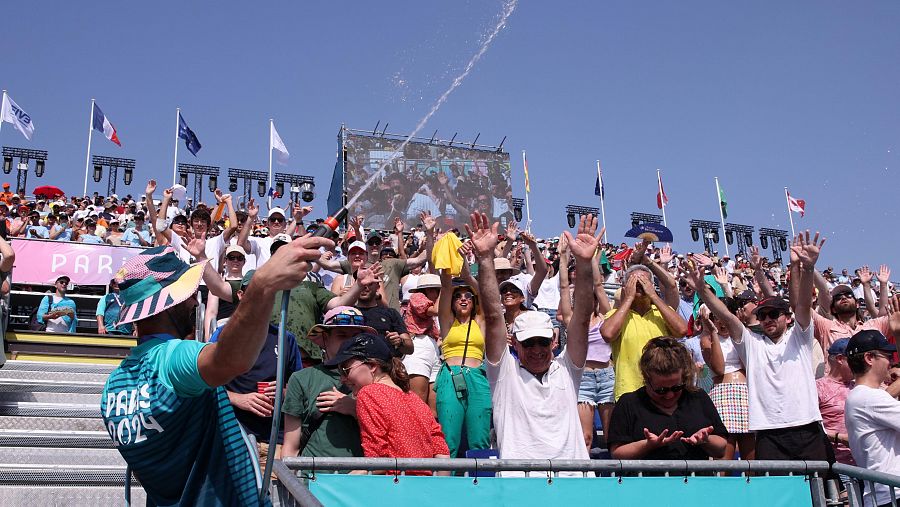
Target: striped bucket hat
154,281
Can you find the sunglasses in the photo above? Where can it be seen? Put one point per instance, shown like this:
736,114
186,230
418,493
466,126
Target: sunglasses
541,342
344,319
276,220
235,258
464,295
345,372
771,314
513,290
848,295
665,390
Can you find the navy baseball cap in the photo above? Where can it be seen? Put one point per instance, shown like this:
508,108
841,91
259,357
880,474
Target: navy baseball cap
868,340
362,346
839,347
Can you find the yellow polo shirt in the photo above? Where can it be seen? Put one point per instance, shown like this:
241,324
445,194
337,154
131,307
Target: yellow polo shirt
636,331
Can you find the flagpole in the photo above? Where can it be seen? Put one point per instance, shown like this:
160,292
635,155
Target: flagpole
602,206
175,164
527,205
4,102
662,198
269,185
721,215
87,158
790,213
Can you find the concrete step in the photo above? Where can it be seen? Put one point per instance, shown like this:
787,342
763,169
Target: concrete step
41,456
13,365
50,386
63,376
37,409
44,397
58,424
37,438
86,496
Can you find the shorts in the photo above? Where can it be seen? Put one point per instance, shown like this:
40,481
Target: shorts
425,360
731,400
597,386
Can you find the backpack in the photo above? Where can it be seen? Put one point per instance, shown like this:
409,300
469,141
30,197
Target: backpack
33,323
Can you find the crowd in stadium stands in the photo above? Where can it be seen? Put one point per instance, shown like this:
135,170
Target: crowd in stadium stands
431,343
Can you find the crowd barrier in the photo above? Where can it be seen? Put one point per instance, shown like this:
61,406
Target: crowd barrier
638,482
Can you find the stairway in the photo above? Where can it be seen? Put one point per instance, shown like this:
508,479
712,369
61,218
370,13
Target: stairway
53,448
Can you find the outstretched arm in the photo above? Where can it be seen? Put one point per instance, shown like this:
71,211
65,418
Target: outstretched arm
484,239
583,246
808,253
694,278
540,266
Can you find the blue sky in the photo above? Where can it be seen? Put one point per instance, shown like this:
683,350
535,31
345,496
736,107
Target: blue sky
763,95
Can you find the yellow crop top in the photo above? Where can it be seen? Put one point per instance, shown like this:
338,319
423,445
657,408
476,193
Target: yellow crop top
455,341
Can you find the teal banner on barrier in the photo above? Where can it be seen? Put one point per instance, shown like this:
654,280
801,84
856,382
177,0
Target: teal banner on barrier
369,490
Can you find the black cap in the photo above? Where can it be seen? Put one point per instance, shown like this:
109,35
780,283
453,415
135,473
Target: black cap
773,302
747,295
362,346
868,340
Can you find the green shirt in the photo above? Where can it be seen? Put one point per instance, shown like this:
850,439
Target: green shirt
307,305
337,434
394,271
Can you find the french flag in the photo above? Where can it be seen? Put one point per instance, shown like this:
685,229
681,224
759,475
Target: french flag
102,124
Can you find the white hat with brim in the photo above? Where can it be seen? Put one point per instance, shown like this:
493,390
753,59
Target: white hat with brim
503,264
532,324
427,281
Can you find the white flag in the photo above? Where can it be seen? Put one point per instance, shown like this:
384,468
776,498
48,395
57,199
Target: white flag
10,112
278,145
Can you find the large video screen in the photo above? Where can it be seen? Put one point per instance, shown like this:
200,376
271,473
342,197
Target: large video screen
449,182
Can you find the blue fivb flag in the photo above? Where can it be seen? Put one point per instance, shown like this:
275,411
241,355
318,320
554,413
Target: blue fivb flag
190,139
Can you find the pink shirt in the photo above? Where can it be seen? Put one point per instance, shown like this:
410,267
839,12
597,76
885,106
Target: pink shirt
416,318
827,331
832,397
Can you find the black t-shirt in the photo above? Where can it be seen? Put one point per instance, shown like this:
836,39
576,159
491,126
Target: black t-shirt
634,411
384,319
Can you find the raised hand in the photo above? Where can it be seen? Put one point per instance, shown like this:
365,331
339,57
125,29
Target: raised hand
693,275
639,252
197,248
168,193
584,244
755,258
398,225
664,438
721,275
370,274
428,221
356,222
665,255
563,246
884,273
252,209
218,194
301,211
807,250
151,187
512,230
702,260
865,274
700,437
482,235
528,238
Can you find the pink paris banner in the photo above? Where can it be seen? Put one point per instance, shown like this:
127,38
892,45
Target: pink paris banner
42,261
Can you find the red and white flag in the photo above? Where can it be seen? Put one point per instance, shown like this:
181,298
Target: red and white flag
101,123
661,198
796,205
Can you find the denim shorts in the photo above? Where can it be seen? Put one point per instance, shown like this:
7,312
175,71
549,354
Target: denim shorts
597,386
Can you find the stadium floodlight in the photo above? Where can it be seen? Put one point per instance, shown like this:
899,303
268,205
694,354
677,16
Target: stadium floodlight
248,177
707,230
232,185
128,176
300,186
182,180
279,188
261,188
778,238
98,173
572,210
199,171
25,155
113,163
740,234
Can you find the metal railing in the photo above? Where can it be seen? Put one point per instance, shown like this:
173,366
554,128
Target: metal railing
870,479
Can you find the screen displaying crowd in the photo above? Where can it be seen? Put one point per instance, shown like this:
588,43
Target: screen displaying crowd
449,182
431,339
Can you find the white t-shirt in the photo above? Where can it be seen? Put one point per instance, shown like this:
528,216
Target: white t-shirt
57,325
873,425
263,247
780,380
534,419
548,294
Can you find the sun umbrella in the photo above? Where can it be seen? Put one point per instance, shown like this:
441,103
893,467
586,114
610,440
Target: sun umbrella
48,192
